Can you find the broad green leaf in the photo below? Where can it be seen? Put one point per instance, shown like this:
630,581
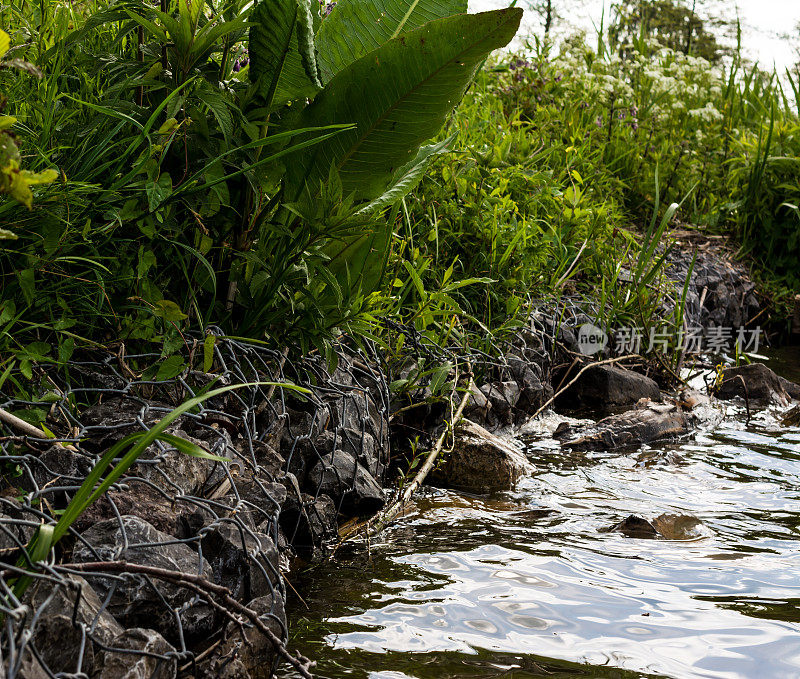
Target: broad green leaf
399,95
281,50
408,176
5,43
171,367
356,27
169,311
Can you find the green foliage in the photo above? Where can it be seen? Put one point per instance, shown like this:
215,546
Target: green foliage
15,181
223,163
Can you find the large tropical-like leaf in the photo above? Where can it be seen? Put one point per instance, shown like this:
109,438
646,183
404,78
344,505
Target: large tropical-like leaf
282,55
399,95
356,27
408,176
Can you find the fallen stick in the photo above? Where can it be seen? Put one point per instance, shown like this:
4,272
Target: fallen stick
29,430
575,379
380,521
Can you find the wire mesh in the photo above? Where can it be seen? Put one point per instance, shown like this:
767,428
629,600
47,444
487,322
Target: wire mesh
137,579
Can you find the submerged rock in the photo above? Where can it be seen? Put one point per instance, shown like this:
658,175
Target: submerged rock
756,383
605,388
792,417
634,526
481,462
647,422
666,526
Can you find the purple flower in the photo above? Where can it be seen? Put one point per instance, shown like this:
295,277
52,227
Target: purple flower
328,8
622,115
599,121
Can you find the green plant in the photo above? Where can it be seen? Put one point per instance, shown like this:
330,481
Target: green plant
106,472
245,182
15,181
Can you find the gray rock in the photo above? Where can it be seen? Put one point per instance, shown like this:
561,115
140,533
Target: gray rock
605,388
133,601
308,522
504,397
181,519
56,466
16,529
255,651
118,665
244,562
756,382
481,462
66,613
647,422
173,471
478,406
343,479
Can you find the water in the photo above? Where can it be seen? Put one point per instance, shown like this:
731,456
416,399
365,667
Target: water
528,584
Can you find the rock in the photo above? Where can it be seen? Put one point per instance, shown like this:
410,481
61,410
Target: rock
339,476
308,522
635,526
66,612
252,657
56,466
244,562
728,295
133,601
667,526
478,407
678,526
481,462
181,519
361,445
647,422
756,382
504,397
256,652
144,665
792,417
173,471
605,388
536,390
16,529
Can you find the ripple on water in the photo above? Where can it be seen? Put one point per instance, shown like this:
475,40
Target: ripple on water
533,578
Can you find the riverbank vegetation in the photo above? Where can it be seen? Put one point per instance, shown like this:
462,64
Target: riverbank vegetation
244,166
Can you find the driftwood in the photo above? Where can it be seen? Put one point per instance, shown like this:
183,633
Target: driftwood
378,522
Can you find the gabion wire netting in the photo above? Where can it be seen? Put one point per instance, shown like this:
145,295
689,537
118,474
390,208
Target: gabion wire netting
142,577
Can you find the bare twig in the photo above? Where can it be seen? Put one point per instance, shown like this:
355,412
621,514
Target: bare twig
28,429
380,521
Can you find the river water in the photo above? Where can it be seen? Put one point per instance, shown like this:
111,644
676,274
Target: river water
529,583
